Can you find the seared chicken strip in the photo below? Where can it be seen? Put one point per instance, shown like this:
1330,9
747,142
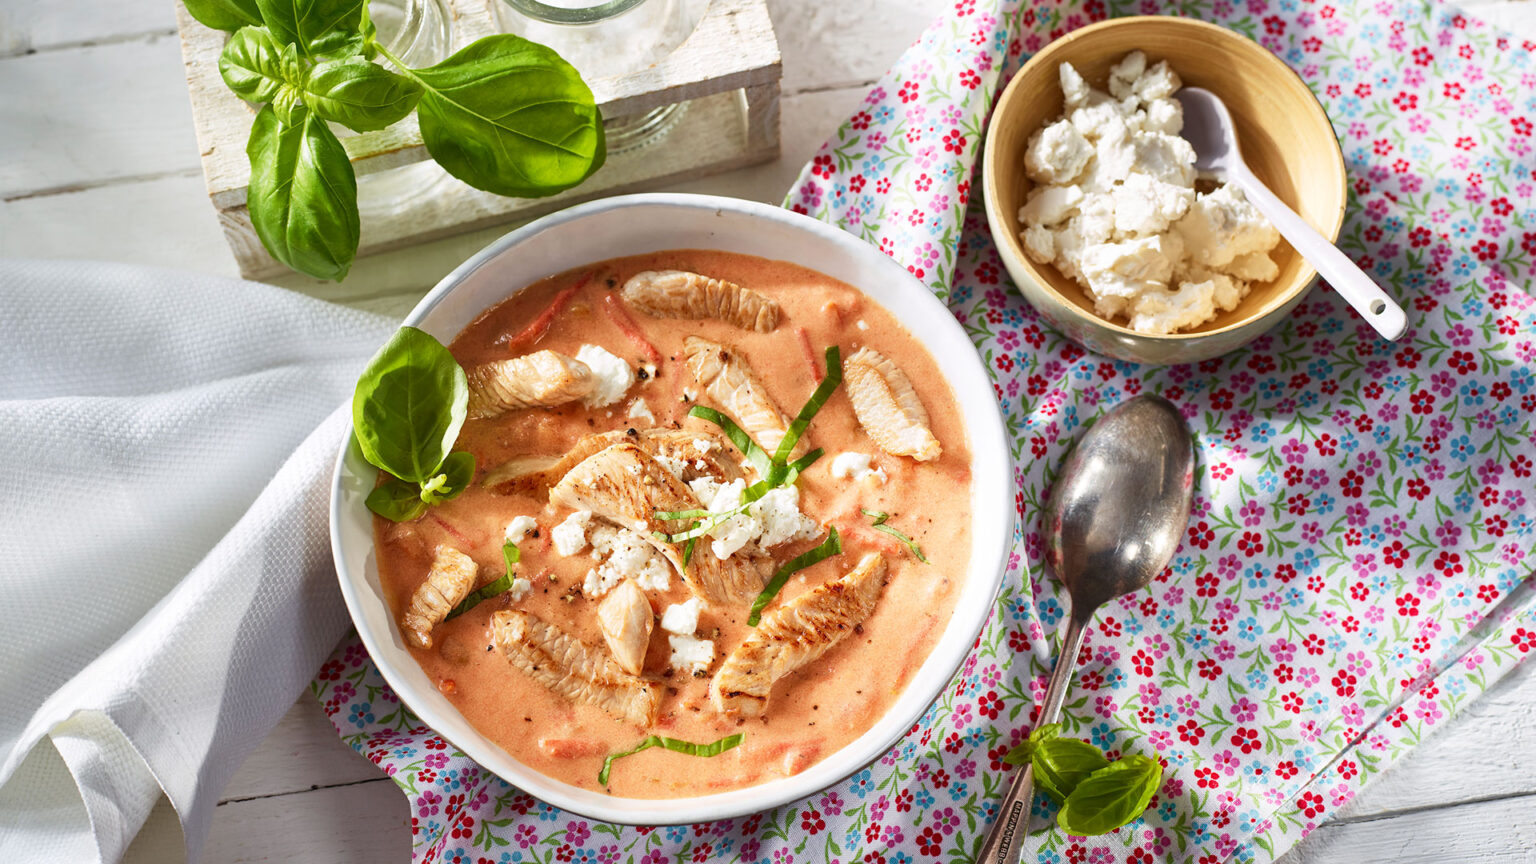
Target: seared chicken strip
572,668
543,378
625,617
450,579
888,407
680,294
795,634
624,484
731,384
702,453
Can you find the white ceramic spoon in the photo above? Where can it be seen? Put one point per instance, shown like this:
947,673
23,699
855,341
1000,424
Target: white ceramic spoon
1208,127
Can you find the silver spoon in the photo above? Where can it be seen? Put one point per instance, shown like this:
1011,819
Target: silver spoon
1116,514
1209,129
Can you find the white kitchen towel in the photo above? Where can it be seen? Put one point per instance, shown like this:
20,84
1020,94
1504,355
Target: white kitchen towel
165,572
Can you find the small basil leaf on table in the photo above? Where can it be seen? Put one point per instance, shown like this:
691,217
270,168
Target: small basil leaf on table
358,94
316,26
1111,796
303,195
397,500
1061,764
252,64
511,117
1024,750
224,14
453,477
409,405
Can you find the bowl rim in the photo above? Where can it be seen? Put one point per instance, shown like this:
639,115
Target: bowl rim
988,566
1010,246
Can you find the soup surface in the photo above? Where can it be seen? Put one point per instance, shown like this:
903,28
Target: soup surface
810,713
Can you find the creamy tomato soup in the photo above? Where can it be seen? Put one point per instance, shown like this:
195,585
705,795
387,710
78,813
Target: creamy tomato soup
810,713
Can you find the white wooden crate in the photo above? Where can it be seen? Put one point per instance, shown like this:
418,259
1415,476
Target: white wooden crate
727,72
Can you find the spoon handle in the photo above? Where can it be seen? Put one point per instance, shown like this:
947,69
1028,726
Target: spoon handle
1373,304
1005,840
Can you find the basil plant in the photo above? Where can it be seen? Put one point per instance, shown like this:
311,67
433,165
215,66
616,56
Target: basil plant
504,115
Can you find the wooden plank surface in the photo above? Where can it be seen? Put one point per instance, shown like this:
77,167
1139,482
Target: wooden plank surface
105,166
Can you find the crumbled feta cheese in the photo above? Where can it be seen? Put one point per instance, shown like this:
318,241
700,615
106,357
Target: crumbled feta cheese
690,654
674,465
611,375
703,445
855,467
1057,154
1050,205
770,520
519,527
519,589
638,410
690,394
1073,88
861,324
681,618
626,554
1116,208
570,536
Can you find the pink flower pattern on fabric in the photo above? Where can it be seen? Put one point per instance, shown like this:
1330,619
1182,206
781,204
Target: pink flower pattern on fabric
1357,567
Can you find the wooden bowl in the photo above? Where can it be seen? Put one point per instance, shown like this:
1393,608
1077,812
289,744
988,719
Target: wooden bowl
1285,138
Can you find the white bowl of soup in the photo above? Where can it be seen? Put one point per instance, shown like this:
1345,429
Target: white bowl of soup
844,659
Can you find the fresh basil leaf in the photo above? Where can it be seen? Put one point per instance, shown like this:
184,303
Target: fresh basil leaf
409,405
1063,763
397,500
878,518
359,95
228,15
303,197
316,27
808,411
453,477
828,547
1025,749
1111,796
511,117
252,64
685,747
510,554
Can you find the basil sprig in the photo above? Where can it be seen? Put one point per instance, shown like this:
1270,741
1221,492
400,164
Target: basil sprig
832,545
504,115
511,555
1096,795
687,748
407,410
878,518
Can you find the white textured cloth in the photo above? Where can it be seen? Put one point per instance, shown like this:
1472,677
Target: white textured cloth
165,573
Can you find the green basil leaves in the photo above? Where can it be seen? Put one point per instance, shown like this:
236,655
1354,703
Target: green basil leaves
687,748
303,194
1096,795
407,410
504,115
359,95
510,116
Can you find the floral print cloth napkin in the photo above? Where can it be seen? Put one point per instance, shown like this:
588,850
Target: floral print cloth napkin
1356,568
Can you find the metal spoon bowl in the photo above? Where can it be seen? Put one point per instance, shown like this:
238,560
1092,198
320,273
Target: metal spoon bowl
1116,514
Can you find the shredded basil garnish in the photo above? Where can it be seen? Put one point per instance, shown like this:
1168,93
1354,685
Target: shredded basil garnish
510,554
688,748
773,470
879,525
829,547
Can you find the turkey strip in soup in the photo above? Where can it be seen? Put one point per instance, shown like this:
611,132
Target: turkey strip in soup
649,540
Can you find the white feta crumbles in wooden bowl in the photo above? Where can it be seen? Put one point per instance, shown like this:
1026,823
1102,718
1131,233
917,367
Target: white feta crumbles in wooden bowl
1116,209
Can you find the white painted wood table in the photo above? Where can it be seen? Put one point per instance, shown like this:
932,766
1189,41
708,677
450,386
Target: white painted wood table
98,160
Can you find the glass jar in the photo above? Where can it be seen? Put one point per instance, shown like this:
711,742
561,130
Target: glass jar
606,38
417,32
